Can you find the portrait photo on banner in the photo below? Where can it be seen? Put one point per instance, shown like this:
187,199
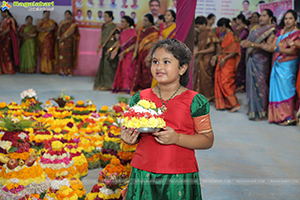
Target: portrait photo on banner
90,13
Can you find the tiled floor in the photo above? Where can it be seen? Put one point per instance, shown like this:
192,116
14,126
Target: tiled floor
249,160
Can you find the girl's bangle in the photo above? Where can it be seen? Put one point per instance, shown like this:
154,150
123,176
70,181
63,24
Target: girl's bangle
178,139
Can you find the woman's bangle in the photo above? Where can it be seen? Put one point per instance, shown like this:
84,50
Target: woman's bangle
110,49
252,45
99,46
134,53
276,49
223,59
178,139
127,50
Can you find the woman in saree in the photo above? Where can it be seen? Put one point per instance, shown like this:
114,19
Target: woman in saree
203,81
259,67
28,58
284,73
109,61
167,31
125,71
228,61
211,18
147,36
242,32
68,41
254,21
8,44
46,28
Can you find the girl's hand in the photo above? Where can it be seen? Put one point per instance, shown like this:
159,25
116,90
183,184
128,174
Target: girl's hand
167,136
129,135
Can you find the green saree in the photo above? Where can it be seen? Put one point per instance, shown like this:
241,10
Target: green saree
107,67
27,54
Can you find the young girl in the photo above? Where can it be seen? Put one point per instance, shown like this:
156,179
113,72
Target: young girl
164,165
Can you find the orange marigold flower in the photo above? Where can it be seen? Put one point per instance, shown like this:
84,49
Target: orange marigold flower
104,108
67,98
2,104
80,102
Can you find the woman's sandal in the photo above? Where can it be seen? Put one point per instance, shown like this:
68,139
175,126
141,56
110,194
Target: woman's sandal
288,123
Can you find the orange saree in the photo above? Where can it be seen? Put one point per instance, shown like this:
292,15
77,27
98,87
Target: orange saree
8,47
225,77
45,44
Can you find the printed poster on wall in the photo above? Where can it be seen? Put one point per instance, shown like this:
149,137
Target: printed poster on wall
89,13
279,8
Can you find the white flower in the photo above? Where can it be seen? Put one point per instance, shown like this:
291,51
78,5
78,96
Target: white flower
15,120
98,148
106,191
28,93
57,184
89,102
14,180
22,135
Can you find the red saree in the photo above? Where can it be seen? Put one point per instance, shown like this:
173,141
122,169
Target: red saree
142,76
124,75
225,76
46,43
8,47
68,51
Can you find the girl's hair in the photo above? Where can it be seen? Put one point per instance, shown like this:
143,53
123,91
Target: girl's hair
9,13
68,11
110,14
150,18
211,16
234,19
256,13
28,16
294,13
201,20
180,51
173,14
129,20
243,18
226,22
161,17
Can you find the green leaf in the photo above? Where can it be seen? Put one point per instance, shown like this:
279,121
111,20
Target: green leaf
85,125
12,149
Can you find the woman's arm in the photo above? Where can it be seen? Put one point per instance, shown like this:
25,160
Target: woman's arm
4,32
208,50
136,46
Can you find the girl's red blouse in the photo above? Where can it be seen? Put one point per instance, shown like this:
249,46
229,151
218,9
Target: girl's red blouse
171,159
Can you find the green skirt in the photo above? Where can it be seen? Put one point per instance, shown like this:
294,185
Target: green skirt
145,185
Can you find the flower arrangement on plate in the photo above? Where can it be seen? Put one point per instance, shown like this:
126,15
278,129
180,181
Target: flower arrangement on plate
144,116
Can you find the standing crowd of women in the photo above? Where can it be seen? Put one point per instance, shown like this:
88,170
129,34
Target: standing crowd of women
259,58
53,44
125,63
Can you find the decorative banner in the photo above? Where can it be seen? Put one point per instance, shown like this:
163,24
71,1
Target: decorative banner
279,8
89,13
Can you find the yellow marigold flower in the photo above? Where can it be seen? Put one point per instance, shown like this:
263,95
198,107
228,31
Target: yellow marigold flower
57,145
144,103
